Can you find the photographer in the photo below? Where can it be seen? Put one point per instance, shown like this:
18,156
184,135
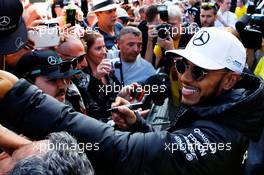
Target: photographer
175,36
250,28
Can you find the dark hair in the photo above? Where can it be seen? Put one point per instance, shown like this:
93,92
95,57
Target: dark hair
58,160
151,13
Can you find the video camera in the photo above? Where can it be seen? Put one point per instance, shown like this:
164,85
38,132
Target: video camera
251,29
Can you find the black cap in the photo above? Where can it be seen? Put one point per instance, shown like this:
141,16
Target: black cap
46,63
13,32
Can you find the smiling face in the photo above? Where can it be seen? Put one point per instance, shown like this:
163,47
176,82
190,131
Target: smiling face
97,51
200,91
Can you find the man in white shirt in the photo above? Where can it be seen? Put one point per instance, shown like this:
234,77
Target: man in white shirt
134,67
225,18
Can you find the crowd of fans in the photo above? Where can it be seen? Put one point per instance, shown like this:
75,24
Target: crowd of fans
94,59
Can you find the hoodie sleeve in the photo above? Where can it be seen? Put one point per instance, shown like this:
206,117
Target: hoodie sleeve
191,150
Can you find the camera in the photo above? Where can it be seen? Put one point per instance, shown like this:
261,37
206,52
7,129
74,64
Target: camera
164,30
115,63
251,29
45,35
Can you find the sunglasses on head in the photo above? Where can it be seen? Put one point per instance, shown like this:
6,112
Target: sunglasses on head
197,73
208,5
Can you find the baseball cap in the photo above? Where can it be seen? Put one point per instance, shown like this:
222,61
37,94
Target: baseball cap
13,32
46,63
214,49
103,5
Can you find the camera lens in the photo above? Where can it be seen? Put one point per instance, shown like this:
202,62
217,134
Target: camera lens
163,33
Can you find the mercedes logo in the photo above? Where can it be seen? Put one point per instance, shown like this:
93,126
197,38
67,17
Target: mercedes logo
19,42
4,21
52,60
201,38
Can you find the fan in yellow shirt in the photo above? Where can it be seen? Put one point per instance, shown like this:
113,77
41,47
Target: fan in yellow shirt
241,8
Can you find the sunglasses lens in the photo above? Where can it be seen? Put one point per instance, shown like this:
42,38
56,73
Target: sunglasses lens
80,58
74,63
180,66
197,73
65,66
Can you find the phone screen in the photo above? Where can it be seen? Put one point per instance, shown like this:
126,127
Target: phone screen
70,16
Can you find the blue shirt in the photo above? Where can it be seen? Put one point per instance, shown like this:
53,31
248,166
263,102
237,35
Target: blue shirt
110,41
137,71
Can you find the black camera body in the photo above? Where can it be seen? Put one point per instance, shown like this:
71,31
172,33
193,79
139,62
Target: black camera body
251,29
164,30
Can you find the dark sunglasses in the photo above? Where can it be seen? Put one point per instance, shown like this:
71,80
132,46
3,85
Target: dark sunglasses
197,73
76,60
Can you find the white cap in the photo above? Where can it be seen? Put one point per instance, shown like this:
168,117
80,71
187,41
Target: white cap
121,12
214,49
103,5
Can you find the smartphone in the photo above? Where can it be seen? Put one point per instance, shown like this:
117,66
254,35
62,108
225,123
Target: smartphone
45,37
70,16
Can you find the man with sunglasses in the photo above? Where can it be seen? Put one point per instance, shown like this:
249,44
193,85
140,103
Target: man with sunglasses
222,110
72,49
46,70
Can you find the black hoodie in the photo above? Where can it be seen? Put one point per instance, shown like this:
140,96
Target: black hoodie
205,140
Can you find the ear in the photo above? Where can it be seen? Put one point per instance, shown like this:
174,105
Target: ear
230,80
118,42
